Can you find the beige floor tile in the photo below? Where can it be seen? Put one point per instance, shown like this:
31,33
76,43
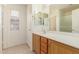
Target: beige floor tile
20,49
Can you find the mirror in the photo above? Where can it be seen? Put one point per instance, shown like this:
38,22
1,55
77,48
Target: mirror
64,18
40,16
56,17
66,22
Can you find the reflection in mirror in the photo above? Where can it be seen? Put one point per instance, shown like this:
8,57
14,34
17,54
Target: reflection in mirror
56,17
40,16
64,18
66,22
75,20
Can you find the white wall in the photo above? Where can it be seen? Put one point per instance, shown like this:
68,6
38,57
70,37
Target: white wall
75,21
29,25
0,29
12,38
54,13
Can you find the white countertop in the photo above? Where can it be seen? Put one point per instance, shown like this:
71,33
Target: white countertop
66,38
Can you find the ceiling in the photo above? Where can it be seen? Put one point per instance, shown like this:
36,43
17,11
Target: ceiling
60,6
65,7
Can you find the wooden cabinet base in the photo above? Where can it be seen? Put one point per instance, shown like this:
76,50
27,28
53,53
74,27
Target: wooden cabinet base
36,43
42,45
60,48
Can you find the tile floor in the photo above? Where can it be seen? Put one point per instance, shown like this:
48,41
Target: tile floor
20,49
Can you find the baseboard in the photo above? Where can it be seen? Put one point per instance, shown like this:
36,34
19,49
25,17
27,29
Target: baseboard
29,46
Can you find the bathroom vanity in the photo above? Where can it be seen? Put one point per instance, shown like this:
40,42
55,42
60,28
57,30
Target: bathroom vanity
51,43
64,26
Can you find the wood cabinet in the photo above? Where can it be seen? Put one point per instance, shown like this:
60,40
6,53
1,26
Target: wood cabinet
36,43
44,45
60,48
40,44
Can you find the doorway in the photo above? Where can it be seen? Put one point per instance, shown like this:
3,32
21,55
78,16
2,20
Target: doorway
12,26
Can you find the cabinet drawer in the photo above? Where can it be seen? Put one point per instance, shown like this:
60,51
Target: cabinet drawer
44,48
43,45
43,52
44,40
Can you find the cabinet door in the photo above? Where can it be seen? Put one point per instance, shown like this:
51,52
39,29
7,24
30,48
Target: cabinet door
50,46
33,42
44,45
59,48
36,43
